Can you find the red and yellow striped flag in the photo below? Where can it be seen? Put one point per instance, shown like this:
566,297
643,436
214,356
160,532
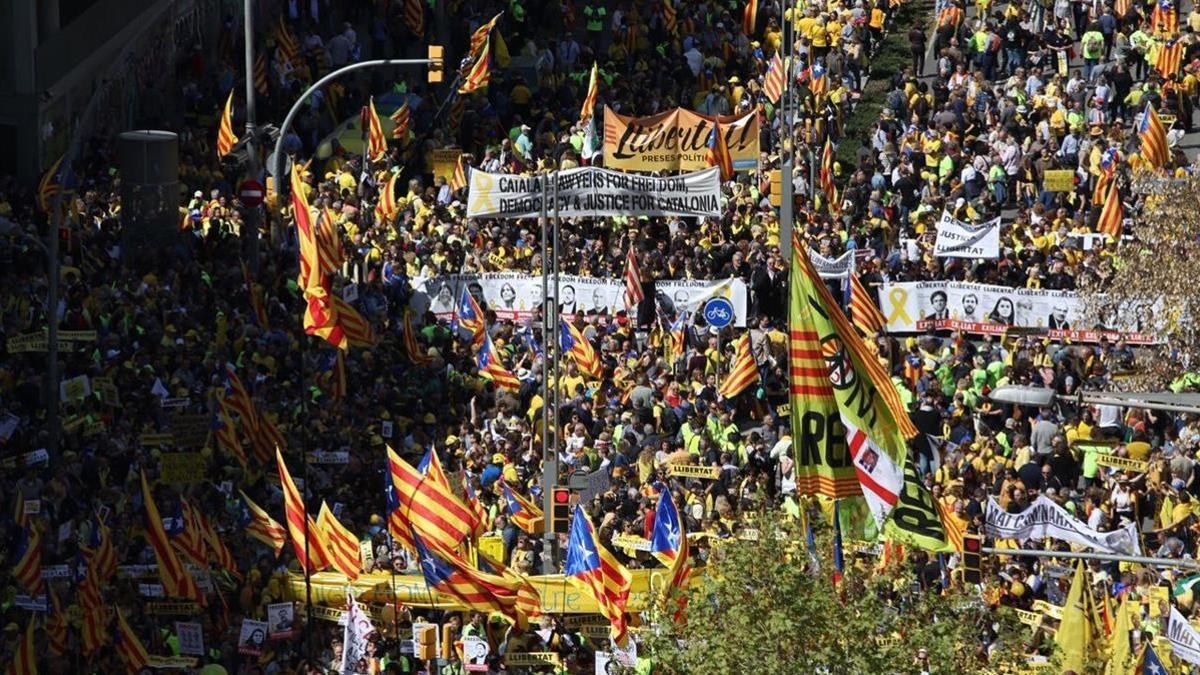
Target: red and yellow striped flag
129,647
260,525
866,316
376,141
718,152
773,80
430,509
307,542
414,17
176,580
289,48
57,638
1169,58
190,540
1112,215
386,208
479,73
338,385
226,434
593,90
28,569
458,181
594,569
668,15
403,118
261,80
744,371
412,348
226,139
826,180
216,546
750,17
522,512
341,542
1153,137
479,39
93,630
24,660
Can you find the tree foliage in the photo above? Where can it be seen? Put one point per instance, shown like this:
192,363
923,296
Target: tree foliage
768,606
1150,284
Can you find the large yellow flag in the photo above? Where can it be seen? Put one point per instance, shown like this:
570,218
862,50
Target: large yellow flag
1121,660
1077,635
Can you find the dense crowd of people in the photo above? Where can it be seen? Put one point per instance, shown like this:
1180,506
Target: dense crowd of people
971,126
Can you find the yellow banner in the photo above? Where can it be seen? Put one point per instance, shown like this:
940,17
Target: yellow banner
1138,465
676,140
443,162
1052,611
532,659
690,471
172,662
1059,180
173,608
182,467
1032,619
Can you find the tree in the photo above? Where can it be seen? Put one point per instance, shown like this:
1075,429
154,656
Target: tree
1150,285
769,606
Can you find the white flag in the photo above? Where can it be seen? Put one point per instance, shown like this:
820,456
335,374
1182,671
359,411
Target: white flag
354,641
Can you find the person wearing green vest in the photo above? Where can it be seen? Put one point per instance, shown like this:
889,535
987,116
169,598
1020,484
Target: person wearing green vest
595,15
1092,43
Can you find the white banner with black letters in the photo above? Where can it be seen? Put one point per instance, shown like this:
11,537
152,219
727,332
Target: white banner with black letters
1185,641
514,296
593,191
833,268
958,239
1045,519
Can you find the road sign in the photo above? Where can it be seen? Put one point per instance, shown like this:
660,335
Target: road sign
718,312
251,193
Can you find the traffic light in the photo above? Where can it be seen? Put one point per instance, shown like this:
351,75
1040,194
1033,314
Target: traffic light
776,195
972,559
437,54
560,510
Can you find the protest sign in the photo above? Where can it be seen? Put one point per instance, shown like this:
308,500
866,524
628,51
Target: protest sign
959,239
191,638
676,140
252,637
282,619
593,191
182,467
691,471
833,268
1045,519
1185,641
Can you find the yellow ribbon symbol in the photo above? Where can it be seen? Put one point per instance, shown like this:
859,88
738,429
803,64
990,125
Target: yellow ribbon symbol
480,189
898,297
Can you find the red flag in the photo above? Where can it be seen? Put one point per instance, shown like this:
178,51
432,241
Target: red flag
176,580
307,542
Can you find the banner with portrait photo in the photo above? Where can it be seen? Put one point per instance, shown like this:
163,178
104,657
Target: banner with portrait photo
984,309
252,637
281,618
514,296
676,140
959,239
592,191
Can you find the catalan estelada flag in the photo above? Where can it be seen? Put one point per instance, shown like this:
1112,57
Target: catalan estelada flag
476,508
1112,214
343,545
216,546
225,433
129,647
185,536
398,530
1169,57
866,316
479,73
56,179
28,569
718,152
260,525
402,117
818,83
431,467
522,512
307,542
593,90
1109,160
744,371
480,37
376,141
491,367
572,342
226,139
176,580
750,17
1164,18
430,509
469,316
594,569
478,591
1153,137
100,555
24,660
669,542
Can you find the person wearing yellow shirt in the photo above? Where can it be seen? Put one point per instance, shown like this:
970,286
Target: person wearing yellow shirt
819,39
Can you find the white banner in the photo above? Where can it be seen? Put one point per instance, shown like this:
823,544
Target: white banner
354,640
191,638
593,191
958,239
833,268
514,296
916,306
1185,641
1045,519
